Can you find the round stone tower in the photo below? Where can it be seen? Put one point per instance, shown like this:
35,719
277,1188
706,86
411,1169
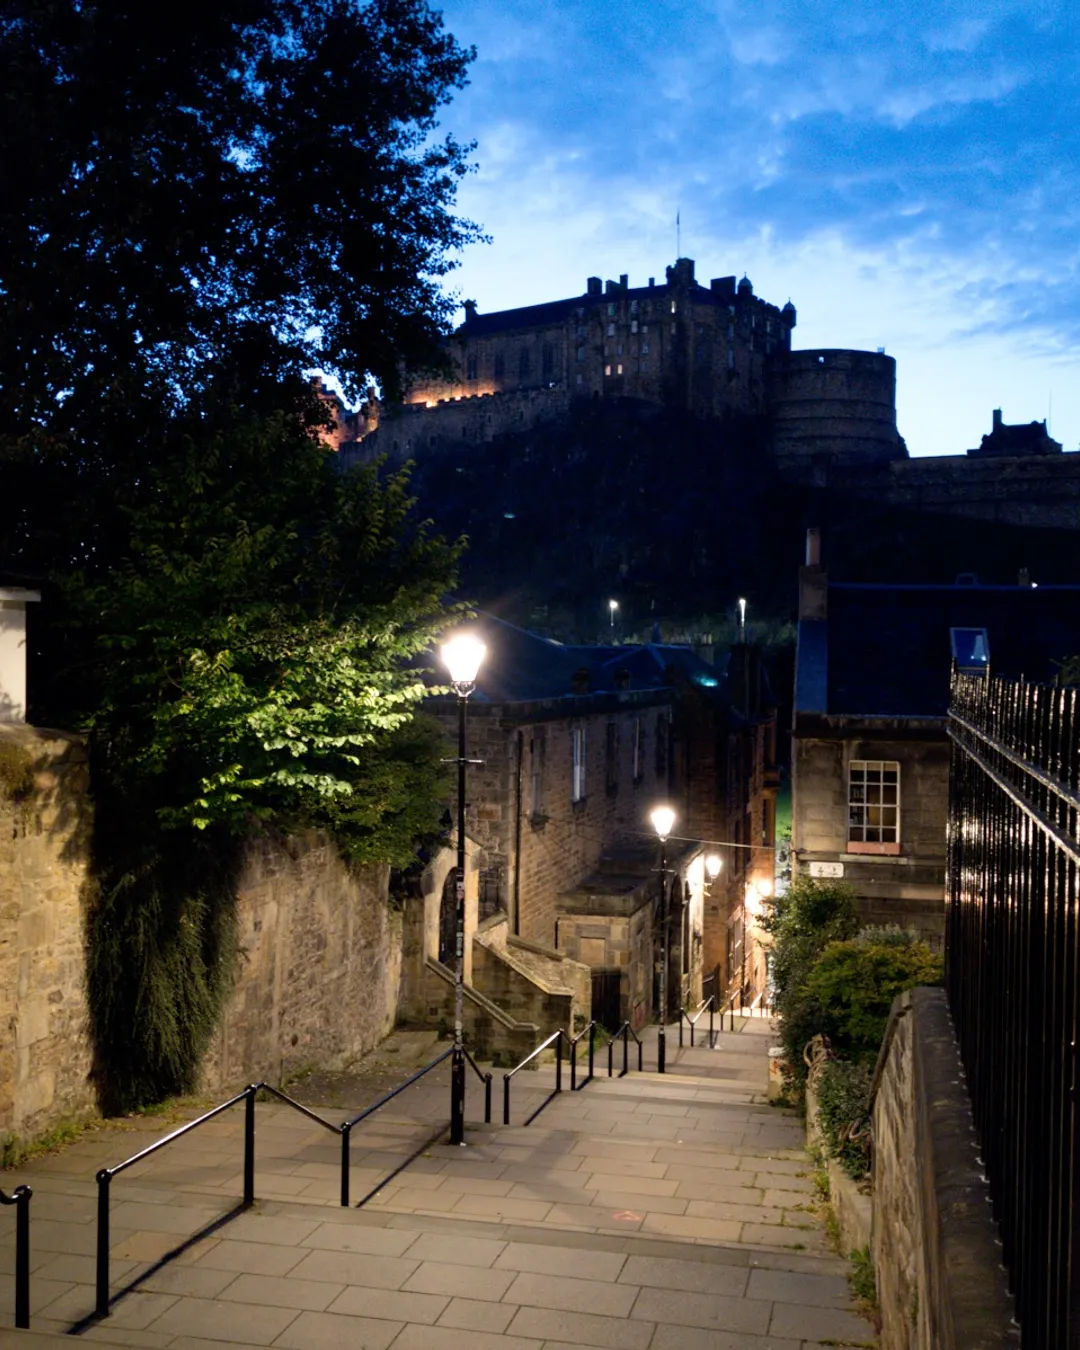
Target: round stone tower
832,407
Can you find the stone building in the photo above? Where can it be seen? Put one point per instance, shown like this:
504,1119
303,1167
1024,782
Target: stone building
870,748
576,745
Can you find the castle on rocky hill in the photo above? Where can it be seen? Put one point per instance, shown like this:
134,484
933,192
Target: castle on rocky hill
719,352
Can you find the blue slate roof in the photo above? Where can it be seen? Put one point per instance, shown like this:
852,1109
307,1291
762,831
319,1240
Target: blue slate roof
885,651
523,667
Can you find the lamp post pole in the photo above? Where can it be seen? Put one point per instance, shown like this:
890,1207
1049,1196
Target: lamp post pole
462,656
663,818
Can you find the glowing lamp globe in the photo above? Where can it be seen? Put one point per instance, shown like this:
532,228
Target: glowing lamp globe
462,656
662,819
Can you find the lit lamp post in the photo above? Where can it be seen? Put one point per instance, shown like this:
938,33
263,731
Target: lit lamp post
461,655
613,609
662,819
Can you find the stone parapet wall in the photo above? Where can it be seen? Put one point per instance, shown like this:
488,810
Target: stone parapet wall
939,1276
320,964
45,1051
489,1032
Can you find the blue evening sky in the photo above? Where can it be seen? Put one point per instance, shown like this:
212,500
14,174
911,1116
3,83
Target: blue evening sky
905,173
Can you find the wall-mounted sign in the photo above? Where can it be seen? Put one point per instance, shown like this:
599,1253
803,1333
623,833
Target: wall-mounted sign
826,869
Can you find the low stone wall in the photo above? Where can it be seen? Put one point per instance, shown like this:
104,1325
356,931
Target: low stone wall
852,1207
320,965
940,1283
45,1053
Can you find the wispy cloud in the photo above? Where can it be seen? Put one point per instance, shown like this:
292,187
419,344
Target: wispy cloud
931,152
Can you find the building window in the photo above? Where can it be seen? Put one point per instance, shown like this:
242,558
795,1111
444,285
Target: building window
611,758
639,749
611,309
611,330
536,776
970,650
661,746
731,360
874,806
580,378
633,325
607,370
618,369
577,755
523,363
500,365
644,349
581,354
548,360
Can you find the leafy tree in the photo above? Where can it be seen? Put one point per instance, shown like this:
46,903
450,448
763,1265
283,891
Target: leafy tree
216,202
252,664
193,214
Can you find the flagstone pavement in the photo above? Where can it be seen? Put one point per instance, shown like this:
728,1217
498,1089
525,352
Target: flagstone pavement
646,1212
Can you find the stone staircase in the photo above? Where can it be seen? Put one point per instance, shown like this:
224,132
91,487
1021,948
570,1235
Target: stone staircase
641,1213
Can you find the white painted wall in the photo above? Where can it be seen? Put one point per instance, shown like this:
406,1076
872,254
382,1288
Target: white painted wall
13,602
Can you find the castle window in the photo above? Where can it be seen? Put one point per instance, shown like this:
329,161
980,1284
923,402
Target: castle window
581,353
644,349
731,360
644,328
580,378
607,370
633,325
577,755
611,309
470,366
673,307
633,306
619,350
523,364
618,369
611,330
500,365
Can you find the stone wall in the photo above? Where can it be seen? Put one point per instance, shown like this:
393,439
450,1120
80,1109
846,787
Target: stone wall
45,1053
319,968
939,1276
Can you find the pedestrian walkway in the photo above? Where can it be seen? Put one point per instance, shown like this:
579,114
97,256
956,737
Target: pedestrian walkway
641,1213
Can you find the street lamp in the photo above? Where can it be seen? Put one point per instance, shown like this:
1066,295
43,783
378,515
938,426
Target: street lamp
662,819
613,609
461,655
713,864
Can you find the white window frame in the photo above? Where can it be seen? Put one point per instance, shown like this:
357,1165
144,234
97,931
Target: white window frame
873,806
578,753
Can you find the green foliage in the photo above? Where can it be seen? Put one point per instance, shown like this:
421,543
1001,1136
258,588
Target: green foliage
843,1096
802,922
852,985
863,1281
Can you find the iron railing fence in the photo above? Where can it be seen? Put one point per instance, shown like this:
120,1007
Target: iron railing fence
1013,976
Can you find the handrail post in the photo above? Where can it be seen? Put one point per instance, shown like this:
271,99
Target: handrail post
693,1024
104,1177
22,1257
558,1063
610,1056
506,1099
592,1039
626,1048
712,1009
346,1136
487,1099
682,1014
249,1145
573,1063
640,1061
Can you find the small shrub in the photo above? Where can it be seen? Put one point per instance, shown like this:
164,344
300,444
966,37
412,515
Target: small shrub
843,1094
853,984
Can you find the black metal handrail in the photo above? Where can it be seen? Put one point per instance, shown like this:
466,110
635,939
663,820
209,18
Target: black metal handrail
729,1008
709,1003
348,1125
248,1097
20,1198
556,1038
106,1174
624,1032
589,1028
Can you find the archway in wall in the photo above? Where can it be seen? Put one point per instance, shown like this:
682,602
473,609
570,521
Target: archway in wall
448,920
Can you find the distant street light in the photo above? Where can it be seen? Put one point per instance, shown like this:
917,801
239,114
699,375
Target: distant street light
713,864
613,609
663,819
462,656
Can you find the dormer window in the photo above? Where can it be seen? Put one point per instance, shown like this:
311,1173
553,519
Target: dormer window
970,650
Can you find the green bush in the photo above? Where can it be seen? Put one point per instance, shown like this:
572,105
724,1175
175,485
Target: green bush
803,922
843,1094
852,985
